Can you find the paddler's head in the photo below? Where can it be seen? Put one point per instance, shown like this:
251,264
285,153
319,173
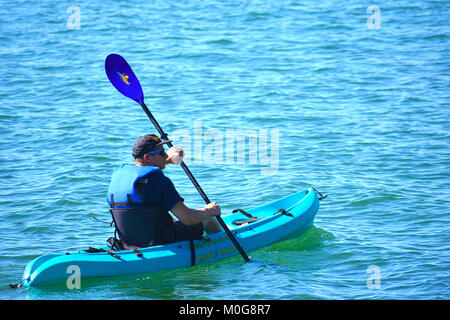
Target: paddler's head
148,150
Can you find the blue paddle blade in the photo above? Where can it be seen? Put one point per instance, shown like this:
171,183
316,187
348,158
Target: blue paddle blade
123,78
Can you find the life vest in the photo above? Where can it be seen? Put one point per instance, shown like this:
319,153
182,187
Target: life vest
137,223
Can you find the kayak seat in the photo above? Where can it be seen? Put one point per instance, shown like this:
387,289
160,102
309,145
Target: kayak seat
137,227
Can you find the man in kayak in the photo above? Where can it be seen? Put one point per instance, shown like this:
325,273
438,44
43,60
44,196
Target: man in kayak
141,196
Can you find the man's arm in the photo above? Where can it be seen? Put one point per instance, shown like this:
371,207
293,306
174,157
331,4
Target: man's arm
192,217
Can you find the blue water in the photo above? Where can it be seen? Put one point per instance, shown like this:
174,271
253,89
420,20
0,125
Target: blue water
361,112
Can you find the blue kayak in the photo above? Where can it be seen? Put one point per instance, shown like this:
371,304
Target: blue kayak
253,228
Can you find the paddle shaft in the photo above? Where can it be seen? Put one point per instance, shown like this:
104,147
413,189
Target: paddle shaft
194,181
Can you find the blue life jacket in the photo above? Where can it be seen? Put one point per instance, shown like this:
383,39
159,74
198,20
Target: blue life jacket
138,224
122,188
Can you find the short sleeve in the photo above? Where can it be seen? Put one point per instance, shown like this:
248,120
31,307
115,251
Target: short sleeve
159,190
170,195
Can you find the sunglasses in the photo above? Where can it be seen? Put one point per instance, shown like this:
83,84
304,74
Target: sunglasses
156,151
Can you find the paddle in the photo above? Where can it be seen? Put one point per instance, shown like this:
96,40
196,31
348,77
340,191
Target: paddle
125,81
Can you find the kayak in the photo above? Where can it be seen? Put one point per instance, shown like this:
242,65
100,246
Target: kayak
254,228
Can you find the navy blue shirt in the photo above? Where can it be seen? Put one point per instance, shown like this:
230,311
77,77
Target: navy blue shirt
157,189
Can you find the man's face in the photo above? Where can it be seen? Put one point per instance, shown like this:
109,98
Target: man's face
157,159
